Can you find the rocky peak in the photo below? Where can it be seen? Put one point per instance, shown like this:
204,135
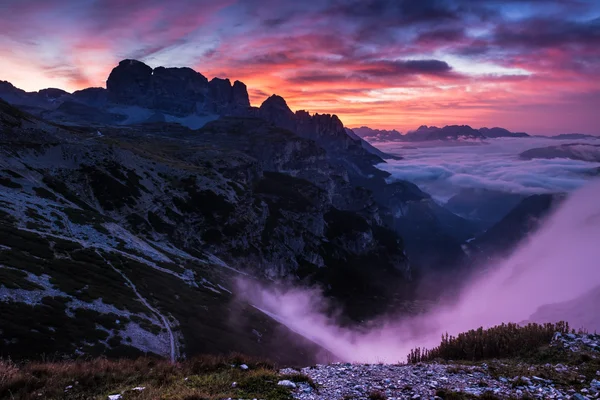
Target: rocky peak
52,93
129,83
10,93
275,110
276,103
94,96
177,91
239,94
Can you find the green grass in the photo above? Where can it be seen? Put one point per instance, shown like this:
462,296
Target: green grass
206,377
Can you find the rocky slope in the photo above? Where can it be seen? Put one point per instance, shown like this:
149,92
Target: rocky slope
522,220
137,94
117,178
130,240
483,206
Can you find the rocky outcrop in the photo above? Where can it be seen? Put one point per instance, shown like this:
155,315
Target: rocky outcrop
521,221
329,132
176,91
129,83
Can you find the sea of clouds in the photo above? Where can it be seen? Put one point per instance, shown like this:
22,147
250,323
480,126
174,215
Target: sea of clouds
555,270
443,168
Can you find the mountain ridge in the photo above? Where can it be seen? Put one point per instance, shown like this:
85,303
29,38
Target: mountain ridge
429,133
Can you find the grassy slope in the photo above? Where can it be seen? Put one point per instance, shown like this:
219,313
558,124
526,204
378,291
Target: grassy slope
199,378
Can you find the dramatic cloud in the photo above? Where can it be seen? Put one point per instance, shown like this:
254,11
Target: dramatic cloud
444,169
524,64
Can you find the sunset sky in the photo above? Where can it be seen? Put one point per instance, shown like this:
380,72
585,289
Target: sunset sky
526,65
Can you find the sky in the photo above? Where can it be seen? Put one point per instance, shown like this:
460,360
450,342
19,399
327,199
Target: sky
526,65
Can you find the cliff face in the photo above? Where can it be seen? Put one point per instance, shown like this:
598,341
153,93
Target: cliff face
177,91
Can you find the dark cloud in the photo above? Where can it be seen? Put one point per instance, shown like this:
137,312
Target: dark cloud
368,71
538,33
401,11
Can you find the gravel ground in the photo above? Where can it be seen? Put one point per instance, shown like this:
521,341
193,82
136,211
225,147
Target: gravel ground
423,381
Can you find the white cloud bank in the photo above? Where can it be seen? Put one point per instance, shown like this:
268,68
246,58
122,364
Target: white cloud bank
441,169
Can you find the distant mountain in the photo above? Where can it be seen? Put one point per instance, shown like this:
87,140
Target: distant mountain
450,132
573,151
572,136
500,132
516,225
378,135
429,133
483,206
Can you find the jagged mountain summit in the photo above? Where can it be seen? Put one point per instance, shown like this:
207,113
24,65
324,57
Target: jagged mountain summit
105,219
183,96
378,135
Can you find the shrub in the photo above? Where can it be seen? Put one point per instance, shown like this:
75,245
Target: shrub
377,395
504,340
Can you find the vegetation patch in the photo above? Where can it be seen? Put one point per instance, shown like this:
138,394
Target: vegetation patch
506,340
60,187
7,182
16,279
206,377
111,193
45,193
204,202
14,174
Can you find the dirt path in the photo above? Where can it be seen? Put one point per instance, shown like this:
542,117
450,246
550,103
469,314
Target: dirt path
174,351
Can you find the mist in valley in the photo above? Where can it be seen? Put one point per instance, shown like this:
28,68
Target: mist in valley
552,275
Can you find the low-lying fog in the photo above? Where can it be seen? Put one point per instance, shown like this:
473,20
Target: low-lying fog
443,168
554,275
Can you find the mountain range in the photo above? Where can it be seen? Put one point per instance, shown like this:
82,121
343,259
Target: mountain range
427,133
451,132
129,214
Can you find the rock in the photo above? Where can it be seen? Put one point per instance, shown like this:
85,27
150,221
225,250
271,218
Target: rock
115,396
595,384
286,383
578,396
234,384
176,91
244,367
129,83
